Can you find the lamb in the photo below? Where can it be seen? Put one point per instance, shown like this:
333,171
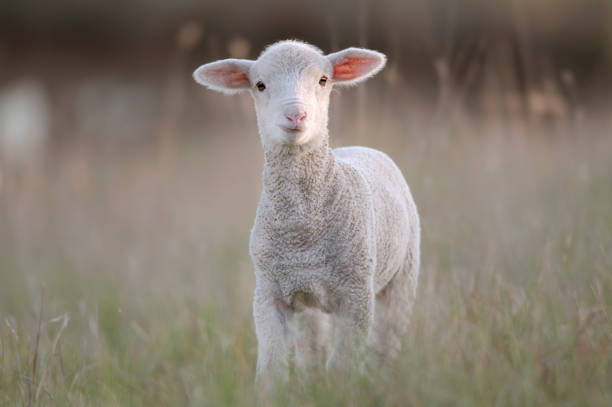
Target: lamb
335,244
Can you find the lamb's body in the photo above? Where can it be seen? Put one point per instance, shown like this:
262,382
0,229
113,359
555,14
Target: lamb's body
315,228
336,236
334,231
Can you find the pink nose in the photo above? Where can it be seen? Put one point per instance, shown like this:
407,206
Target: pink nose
296,118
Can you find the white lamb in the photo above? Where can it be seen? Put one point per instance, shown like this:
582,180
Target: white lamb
336,236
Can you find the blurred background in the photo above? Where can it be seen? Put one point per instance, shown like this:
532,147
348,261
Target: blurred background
127,193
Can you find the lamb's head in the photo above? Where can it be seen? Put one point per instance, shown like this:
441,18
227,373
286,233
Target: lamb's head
290,83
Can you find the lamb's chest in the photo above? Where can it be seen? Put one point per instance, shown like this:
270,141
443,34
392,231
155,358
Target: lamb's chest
305,271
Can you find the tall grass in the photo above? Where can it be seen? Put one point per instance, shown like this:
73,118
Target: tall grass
125,279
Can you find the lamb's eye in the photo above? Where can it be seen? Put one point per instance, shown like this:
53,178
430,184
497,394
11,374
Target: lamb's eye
323,80
260,86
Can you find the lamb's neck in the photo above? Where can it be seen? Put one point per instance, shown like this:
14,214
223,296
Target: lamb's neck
295,179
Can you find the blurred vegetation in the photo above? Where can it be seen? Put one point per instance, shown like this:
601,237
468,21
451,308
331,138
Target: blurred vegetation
551,57
127,194
130,286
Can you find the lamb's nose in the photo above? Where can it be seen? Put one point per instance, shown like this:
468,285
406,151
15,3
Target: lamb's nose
295,118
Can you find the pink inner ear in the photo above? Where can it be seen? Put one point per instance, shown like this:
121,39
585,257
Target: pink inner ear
352,68
231,79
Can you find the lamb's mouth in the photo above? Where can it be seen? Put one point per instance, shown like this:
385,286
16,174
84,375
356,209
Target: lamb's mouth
294,135
293,129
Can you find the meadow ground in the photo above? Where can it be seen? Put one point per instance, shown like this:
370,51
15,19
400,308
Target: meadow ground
125,277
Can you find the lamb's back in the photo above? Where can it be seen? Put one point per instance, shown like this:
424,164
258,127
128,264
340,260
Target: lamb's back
395,213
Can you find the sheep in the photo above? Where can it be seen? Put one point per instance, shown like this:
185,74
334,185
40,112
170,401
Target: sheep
336,239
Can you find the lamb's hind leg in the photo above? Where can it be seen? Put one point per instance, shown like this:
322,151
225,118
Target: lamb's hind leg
392,311
312,339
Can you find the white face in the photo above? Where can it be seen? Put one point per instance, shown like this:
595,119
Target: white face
291,104
290,83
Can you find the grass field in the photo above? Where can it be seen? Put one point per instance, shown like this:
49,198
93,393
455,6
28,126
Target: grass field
125,277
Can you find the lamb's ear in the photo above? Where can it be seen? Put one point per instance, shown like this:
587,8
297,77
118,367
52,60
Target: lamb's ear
228,75
354,65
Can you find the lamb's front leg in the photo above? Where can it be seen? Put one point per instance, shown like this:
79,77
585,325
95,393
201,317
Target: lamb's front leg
352,324
271,327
